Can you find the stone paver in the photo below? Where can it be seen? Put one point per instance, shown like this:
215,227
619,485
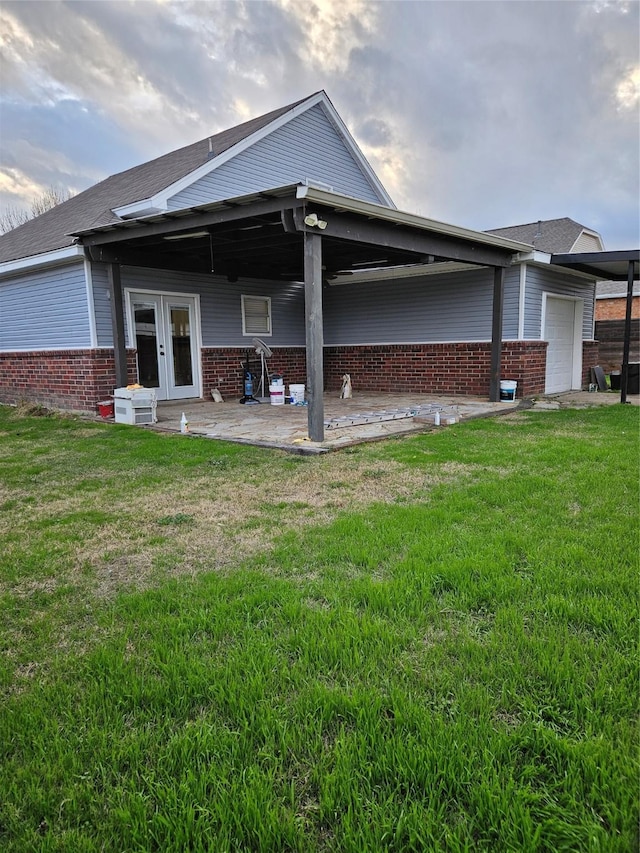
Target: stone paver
285,426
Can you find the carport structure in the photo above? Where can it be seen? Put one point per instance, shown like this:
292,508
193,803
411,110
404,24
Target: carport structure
294,233
623,265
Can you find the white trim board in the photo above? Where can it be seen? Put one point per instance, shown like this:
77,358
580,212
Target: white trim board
57,256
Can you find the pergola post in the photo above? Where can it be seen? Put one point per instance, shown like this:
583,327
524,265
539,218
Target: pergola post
624,379
117,324
314,333
496,333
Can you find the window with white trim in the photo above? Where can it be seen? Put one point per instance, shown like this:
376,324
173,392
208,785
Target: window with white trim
256,315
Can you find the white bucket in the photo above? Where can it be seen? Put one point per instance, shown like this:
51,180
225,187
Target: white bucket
508,391
276,393
296,392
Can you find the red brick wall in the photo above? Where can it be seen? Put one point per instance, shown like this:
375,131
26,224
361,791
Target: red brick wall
61,379
615,309
459,368
590,356
222,368
77,380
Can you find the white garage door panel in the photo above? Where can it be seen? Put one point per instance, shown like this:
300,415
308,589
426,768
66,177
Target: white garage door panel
559,331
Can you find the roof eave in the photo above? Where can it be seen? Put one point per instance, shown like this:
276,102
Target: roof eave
379,211
43,259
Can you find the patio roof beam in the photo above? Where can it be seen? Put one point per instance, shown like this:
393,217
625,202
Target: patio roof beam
173,225
401,238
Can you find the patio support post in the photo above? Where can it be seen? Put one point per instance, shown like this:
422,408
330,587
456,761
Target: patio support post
117,324
624,379
496,334
314,333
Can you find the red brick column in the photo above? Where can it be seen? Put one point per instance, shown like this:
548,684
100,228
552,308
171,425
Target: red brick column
590,356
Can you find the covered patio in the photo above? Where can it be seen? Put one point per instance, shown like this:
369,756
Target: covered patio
301,234
364,417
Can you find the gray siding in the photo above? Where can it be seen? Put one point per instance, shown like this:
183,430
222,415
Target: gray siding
427,309
307,147
101,305
220,305
454,307
545,280
511,304
45,310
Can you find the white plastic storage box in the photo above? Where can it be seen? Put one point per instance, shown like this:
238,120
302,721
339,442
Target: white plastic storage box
135,406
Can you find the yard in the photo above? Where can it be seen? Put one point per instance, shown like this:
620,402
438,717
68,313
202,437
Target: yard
424,644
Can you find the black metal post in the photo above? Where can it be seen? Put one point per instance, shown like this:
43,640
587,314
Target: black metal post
624,379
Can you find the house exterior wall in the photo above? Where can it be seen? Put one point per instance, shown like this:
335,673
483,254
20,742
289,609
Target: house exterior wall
428,335
101,305
64,379
47,309
307,147
220,304
587,243
430,308
447,368
615,308
545,280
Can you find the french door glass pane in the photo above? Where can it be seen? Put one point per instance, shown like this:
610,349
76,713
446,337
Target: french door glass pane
181,345
146,344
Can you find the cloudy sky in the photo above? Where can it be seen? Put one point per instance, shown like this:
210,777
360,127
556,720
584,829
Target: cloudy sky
480,113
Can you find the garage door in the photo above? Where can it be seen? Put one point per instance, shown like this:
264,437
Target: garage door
559,331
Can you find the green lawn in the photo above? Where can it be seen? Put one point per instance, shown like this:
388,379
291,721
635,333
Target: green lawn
426,644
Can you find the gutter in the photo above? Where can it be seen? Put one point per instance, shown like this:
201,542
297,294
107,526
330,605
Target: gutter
57,256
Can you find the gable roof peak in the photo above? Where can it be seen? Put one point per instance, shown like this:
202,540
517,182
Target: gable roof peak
553,236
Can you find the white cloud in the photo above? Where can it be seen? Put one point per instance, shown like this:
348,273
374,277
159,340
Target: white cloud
484,114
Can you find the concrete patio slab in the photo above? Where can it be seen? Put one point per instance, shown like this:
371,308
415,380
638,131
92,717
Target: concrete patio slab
366,417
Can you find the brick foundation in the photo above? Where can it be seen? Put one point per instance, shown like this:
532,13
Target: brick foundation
222,368
77,380
61,379
590,356
459,368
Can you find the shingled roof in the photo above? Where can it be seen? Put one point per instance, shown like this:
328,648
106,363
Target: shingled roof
555,236
51,230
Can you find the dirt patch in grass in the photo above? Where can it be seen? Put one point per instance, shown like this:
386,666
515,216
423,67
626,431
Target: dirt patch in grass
215,518
209,522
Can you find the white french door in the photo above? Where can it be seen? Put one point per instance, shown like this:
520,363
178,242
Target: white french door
163,329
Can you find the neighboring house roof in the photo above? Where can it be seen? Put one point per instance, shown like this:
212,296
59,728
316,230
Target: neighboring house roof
135,187
555,236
